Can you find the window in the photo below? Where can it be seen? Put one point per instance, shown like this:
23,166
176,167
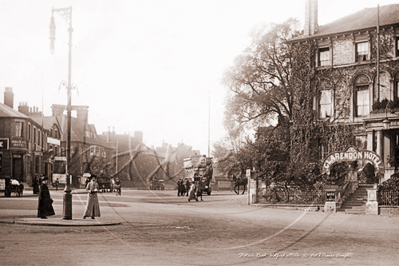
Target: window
362,51
325,104
1,162
34,135
324,56
396,86
29,133
19,127
397,46
362,101
39,137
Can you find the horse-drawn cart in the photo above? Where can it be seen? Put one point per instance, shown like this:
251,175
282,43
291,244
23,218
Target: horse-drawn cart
9,185
156,184
105,184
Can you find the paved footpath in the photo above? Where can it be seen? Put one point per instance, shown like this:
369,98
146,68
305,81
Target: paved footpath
17,217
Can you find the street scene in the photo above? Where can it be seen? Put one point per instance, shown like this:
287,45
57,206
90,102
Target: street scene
199,132
159,228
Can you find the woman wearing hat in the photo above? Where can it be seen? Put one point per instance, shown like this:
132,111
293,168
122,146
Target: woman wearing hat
92,207
45,207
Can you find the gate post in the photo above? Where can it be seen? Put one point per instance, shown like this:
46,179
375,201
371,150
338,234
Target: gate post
372,203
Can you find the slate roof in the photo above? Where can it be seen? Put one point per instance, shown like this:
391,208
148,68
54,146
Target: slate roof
363,19
7,111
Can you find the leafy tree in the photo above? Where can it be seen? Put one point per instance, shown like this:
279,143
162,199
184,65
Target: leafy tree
260,81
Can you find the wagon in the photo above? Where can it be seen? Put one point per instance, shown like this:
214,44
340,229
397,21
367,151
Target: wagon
10,185
104,184
157,184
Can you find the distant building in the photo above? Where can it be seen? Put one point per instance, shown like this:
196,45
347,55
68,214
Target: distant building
89,153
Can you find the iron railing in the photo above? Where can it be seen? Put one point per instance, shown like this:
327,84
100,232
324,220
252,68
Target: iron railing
388,198
295,197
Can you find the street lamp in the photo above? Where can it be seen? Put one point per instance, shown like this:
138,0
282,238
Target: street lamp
66,13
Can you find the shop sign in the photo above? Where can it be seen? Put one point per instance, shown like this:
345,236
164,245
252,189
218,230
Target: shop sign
18,143
4,144
352,154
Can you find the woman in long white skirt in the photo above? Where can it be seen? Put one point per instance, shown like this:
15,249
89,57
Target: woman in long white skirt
92,206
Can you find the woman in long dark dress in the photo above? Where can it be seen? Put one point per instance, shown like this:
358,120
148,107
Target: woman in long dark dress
45,207
92,206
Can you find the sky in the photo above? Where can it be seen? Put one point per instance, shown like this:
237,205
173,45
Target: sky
154,66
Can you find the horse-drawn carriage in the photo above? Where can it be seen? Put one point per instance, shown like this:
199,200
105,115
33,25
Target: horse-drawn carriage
156,184
9,185
105,184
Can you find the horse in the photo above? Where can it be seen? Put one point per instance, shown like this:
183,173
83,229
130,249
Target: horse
192,192
239,182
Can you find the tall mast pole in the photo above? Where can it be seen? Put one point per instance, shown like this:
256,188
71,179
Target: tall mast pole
378,51
209,125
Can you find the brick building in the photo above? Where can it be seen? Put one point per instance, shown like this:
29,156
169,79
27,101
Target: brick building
368,96
24,147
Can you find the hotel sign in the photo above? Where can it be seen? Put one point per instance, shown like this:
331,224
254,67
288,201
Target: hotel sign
18,143
352,154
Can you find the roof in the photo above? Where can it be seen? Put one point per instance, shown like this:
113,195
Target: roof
46,121
7,111
363,19
78,129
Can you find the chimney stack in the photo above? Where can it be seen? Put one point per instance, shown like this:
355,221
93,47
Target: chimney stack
311,18
23,108
82,113
9,97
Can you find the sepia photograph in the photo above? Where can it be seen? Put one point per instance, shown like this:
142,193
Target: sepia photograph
199,132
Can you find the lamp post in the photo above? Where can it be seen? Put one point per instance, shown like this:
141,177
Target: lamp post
66,13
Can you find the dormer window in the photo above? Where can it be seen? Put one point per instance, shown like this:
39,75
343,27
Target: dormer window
362,51
324,56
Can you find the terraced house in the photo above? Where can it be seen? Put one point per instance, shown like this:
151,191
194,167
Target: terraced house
367,94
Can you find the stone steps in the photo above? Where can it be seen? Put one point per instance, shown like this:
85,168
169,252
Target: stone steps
355,203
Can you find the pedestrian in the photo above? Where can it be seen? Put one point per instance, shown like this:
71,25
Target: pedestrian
35,185
187,186
179,187
56,184
118,186
45,207
92,206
